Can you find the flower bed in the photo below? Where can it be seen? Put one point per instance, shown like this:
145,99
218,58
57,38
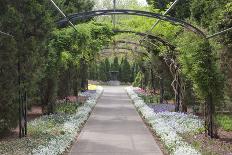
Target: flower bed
52,134
67,132
162,107
169,125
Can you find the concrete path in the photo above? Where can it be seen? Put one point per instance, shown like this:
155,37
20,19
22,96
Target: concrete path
115,128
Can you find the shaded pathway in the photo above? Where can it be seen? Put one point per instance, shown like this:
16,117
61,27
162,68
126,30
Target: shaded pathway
115,128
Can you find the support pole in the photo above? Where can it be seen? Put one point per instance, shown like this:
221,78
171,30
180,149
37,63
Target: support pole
6,34
161,90
178,93
114,18
62,13
19,98
25,113
219,33
157,22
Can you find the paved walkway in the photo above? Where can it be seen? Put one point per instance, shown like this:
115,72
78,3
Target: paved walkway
115,128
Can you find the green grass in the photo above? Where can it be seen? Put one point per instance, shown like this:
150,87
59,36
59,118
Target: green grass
67,108
225,122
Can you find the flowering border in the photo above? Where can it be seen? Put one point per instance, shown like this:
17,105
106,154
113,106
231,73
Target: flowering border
162,127
70,128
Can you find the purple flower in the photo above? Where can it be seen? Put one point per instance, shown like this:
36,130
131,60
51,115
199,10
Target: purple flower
162,107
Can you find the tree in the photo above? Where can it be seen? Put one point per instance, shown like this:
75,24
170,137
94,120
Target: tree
30,25
102,72
107,69
125,70
8,84
181,10
115,66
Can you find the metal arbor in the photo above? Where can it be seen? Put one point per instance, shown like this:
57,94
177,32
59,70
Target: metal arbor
86,15
174,68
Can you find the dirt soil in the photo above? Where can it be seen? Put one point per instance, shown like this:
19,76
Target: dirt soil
208,146
35,112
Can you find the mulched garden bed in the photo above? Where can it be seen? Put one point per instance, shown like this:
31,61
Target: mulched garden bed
208,146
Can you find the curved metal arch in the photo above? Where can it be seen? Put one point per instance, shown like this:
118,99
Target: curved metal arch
151,37
121,48
129,42
84,15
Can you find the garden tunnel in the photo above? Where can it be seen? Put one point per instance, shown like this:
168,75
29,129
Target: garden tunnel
177,84
150,36
174,67
170,61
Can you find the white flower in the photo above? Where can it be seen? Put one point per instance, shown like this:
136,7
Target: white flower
168,125
69,129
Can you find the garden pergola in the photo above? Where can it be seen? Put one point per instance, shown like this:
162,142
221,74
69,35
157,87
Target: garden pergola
85,15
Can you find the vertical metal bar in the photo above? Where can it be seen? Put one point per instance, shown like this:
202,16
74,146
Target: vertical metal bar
22,116
161,90
114,20
19,98
25,113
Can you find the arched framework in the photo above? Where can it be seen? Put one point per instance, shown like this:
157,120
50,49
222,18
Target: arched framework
128,42
85,15
174,68
150,36
121,48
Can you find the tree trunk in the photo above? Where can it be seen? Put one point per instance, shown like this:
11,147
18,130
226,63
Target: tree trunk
210,122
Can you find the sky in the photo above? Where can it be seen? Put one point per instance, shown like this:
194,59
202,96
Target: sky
142,2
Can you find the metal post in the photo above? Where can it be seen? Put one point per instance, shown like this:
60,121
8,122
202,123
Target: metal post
161,90
219,33
114,18
25,113
6,34
19,98
62,13
157,22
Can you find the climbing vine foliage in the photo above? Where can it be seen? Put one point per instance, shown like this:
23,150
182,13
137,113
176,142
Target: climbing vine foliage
70,54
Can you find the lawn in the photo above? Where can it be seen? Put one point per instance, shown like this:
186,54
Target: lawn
224,121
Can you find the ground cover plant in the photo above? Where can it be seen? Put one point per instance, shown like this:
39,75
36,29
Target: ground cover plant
41,61
53,134
225,122
187,127
169,125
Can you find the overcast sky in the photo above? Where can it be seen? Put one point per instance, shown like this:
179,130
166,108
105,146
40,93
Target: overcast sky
100,4
143,2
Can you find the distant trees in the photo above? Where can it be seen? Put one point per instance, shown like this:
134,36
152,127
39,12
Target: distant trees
126,71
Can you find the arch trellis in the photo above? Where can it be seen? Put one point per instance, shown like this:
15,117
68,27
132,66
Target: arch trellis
85,15
129,42
150,36
174,68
